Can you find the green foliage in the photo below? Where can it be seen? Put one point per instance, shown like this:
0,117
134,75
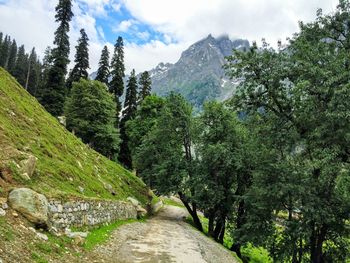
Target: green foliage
90,113
130,106
116,85
301,96
53,96
145,84
21,67
256,254
103,66
81,60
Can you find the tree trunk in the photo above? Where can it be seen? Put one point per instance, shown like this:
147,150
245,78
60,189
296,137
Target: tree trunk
316,242
211,219
222,233
192,211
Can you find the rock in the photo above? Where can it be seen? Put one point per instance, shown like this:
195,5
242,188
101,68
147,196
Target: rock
134,202
156,207
27,166
42,236
3,203
75,234
109,188
62,120
81,189
32,205
14,214
1,260
78,240
2,212
141,212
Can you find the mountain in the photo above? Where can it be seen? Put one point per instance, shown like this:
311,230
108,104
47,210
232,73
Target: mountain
199,73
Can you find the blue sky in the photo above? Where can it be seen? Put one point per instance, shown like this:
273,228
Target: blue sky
156,31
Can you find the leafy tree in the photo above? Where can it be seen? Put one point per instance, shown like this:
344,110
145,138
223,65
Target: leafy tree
145,118
302,96
21,67
81,60
130,106
169,144
103,67
12,57
116,85
90,112
145,84
54,95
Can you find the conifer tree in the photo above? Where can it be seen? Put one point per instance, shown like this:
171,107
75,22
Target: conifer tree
12,57
55,91
145,84
103,66
81,60
130,106
116,85
33,73
4,52
21,68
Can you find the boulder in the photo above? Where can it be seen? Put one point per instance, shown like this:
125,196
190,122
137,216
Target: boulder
30,204
42,236
141,212
3,203
134,202
27,166
2,212
75,234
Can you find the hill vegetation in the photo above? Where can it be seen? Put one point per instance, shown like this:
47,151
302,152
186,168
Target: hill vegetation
65,165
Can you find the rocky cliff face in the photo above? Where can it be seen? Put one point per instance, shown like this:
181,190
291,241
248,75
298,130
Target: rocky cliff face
199,73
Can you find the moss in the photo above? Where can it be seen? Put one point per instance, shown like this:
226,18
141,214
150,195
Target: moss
64,162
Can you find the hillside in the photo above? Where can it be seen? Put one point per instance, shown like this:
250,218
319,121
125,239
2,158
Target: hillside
65,166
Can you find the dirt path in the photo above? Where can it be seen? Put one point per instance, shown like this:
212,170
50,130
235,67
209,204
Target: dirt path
164,238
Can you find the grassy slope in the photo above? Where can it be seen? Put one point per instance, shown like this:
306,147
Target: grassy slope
64,162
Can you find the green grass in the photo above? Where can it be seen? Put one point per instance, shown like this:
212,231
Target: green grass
64,162
253,254
168,201
100,235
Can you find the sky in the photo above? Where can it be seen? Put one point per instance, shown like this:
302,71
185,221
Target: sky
156,31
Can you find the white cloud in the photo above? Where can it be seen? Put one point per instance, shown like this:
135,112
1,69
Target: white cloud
125,25
147,56
185,20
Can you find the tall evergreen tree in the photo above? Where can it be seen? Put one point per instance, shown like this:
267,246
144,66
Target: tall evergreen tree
116,85
21,68
4,52
81,60
145,84
12,57
103,66
130,106
33,73
55,91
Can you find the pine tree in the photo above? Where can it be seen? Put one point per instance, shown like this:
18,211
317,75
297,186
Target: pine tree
130,107
21,68
12,57
81,60
4,52
145,84
55,91
103,66
116,85
33,73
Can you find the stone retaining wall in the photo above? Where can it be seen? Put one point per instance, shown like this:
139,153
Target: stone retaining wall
90,213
